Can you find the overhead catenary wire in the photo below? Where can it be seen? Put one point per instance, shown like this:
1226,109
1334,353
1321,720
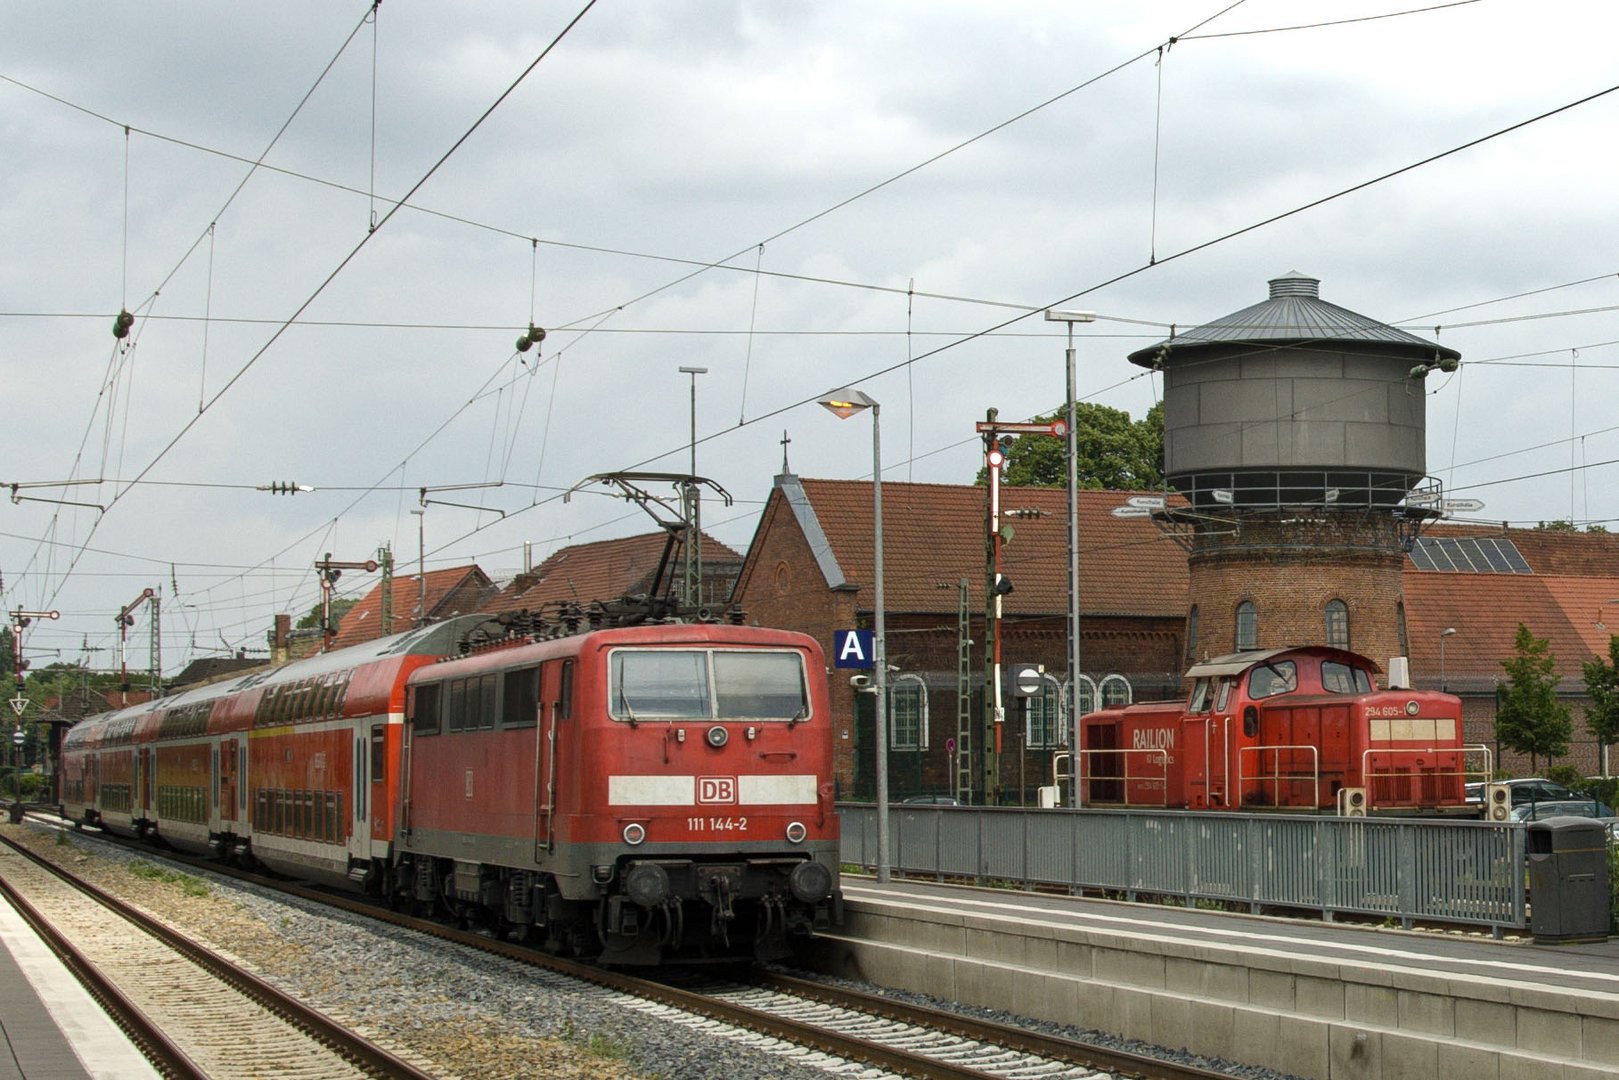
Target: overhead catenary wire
344,262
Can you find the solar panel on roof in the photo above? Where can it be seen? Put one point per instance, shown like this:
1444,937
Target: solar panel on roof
1468,555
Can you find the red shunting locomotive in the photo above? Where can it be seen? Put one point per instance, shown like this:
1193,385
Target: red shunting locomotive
638,794
1300,729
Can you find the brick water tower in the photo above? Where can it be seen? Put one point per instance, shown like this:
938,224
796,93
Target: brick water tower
1296,431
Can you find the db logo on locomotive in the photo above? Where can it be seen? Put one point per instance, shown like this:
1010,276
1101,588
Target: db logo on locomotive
716,789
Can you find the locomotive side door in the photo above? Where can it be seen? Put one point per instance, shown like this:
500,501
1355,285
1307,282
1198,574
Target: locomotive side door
556,708
227,780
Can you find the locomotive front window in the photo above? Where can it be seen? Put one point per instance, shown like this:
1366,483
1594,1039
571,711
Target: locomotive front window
759,686
1339,678
662,683
1200,697
693,684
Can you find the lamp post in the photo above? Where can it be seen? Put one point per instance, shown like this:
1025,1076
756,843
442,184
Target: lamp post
1071,457
844,404
694,526
1443,634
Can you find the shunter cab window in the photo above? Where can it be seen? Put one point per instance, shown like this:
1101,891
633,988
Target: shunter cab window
1222,697
1339,678
704,684
1269,680
1200,697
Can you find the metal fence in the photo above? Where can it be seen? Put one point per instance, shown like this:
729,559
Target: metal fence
1412,870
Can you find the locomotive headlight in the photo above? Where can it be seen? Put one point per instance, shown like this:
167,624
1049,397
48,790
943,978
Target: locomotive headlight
810,882
796,832
634,833
717,736
647,884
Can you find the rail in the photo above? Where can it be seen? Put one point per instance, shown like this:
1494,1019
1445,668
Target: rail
1412,870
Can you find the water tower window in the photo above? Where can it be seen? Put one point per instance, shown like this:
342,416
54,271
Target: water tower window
1247,626
1191,634
1338,624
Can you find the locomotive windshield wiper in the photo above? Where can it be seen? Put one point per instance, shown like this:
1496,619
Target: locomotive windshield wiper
799,717
624,700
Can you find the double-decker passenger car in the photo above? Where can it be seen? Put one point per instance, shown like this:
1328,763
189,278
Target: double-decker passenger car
1300,729
635,793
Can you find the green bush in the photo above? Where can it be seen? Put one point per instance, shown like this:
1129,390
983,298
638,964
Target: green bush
1602,789
1567,775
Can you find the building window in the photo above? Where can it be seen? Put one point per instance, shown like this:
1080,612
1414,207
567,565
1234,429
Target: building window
1116,690
907,713
1044,730
1191,633
1338,624
1399,627
1247,626
1085,695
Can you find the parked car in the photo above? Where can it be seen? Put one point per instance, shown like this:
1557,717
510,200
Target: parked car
1540,811
1529,790
933,800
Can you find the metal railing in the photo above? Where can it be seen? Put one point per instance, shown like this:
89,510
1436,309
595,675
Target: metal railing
1276,778
1406,869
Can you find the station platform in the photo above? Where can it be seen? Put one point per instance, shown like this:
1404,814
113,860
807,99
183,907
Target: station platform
50,1027
1332,1001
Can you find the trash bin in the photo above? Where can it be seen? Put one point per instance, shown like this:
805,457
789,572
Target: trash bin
1568,879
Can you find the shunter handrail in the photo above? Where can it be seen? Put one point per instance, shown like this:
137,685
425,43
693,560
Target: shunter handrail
1124,779
1276,776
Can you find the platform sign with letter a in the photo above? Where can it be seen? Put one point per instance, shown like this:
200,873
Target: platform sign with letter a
853,648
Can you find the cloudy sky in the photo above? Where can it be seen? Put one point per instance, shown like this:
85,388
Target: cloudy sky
795,196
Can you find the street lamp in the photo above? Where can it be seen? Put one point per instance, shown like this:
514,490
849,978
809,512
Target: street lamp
1070,455
1443,634
844,404
690,499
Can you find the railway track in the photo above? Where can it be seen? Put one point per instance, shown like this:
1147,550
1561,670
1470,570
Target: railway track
189,1009
850,1028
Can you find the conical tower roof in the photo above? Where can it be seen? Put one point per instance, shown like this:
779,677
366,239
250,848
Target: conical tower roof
1294,314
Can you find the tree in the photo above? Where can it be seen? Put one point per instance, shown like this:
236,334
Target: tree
1111,451
1528,716
340,608
1602,686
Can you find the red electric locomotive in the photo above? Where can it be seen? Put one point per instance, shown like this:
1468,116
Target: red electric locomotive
637,793
649,792
1300,729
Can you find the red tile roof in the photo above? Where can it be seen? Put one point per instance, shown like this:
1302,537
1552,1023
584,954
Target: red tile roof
934,534
608,569
1566,601
456,590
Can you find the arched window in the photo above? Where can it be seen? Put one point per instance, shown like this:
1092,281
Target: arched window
1338,624
907,713
1191,633
1085,695
1247,626
1116,690
1045,728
